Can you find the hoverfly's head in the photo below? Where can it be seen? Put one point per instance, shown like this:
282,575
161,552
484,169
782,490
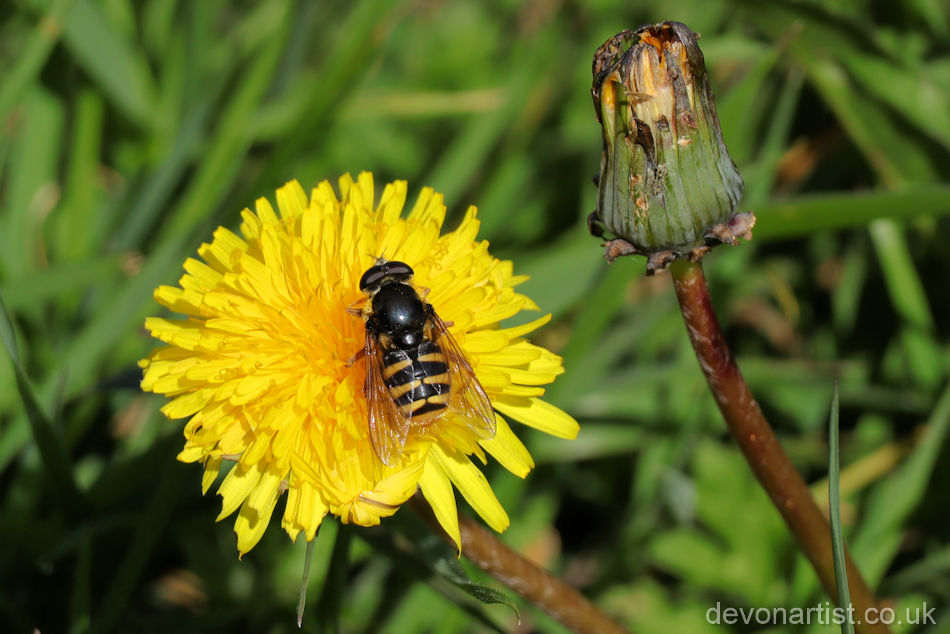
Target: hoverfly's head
384,271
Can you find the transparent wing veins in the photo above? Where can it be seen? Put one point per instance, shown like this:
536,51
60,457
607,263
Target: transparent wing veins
387,427
469,398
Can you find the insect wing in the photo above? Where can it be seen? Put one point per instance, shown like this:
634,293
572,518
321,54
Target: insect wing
387,427
468,396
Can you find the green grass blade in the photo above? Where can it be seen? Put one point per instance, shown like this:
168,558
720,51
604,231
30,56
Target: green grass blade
219,165
890,151
468,152
305,579
740,107
445,562
8,335
562,274
333,593
82,588
31,60
366,27
603,303
909,299
149,529
894,499
123,310
47,437
158,25
760,176
150,201
834,506
76,216
903,282
846,296
117,65
31,185
431,560
32,290
903,85
921,574
908,89
87,349
805,215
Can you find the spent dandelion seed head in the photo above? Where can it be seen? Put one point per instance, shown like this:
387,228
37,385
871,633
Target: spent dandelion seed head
668,188
262,361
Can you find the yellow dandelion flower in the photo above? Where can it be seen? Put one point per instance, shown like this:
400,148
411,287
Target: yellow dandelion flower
263,361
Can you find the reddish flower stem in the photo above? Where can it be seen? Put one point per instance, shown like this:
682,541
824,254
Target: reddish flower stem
532,583
771,465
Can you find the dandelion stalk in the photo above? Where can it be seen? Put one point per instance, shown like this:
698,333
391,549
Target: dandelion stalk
531,582
771,465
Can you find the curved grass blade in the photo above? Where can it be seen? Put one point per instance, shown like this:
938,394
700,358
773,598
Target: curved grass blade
445,563
48,439
419,563
302,600
33,57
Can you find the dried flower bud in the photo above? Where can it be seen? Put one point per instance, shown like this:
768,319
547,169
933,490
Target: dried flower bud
668,187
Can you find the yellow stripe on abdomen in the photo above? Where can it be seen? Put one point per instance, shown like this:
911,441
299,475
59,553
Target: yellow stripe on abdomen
438,378
399,366
397,391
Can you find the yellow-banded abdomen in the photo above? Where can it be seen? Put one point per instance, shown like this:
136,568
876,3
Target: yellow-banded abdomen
418,380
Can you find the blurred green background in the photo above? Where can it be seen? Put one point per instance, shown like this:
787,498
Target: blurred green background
130,129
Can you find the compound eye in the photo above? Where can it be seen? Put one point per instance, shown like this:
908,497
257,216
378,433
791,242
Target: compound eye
376,274
373,276
399,268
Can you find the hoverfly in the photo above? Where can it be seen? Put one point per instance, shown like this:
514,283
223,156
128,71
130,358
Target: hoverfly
415,371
